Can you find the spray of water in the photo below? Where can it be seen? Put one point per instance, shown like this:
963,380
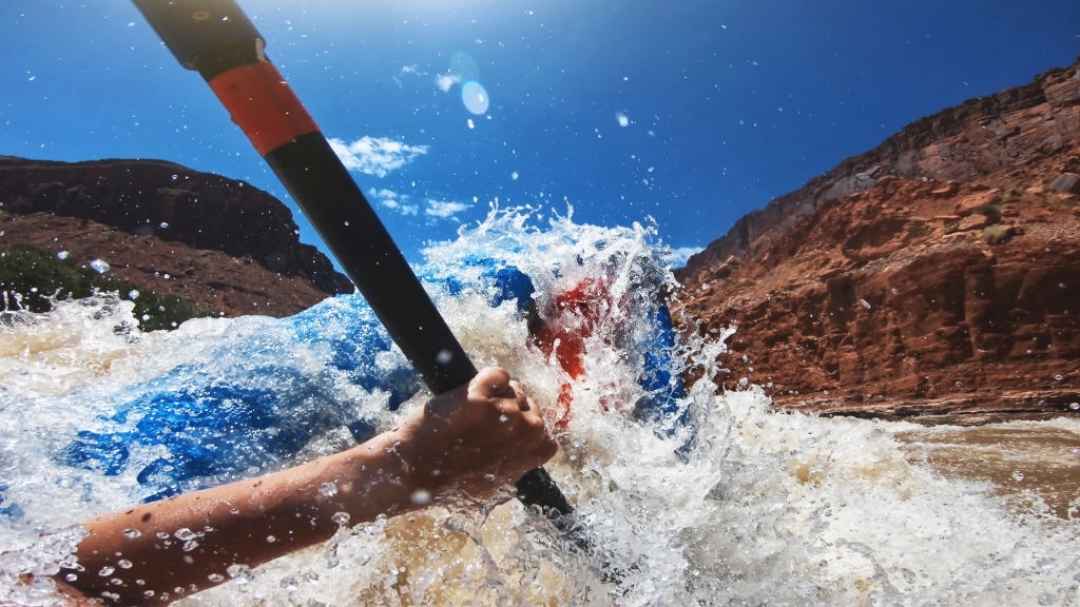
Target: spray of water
733,504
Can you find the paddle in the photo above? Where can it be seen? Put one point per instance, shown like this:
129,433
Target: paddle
215,38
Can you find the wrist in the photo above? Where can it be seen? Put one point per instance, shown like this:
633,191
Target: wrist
376,477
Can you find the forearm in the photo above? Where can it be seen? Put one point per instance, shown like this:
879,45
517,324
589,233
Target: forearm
189,542
469,441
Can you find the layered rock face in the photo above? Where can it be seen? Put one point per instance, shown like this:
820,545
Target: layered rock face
220,243
936,276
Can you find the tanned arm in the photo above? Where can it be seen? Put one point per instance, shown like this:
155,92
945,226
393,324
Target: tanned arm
470,441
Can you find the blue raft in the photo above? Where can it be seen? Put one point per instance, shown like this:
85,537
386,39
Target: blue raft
255,408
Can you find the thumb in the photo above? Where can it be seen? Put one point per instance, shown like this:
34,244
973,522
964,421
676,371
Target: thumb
491,382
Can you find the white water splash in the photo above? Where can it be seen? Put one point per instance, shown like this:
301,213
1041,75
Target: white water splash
766,508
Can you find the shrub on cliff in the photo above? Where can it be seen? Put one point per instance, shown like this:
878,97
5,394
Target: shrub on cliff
30,279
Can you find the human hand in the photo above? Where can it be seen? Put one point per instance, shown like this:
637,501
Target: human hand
475,439
469,441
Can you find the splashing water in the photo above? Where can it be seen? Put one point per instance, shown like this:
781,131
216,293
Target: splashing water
722,501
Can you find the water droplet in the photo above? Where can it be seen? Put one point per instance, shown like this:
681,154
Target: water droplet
125,564
622,119
133,294
240,573
270,539
106,571
515,176
1059,377
444,357
132,534
328,489
100,266
341,518
62,255
164,225
1074,406
469,123
161,535
140,582
216,578
71,577
421,497
174,177
503,419
190,545
189,559
148,594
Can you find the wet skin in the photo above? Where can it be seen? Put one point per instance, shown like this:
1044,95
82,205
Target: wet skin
470,441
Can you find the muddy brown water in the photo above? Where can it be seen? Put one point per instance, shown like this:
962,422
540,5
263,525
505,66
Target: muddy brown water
1024,462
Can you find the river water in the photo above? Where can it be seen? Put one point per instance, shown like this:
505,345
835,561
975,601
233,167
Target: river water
742,505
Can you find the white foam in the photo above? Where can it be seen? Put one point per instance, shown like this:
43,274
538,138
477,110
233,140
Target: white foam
769,508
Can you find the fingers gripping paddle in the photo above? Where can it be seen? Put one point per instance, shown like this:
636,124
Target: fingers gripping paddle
215,38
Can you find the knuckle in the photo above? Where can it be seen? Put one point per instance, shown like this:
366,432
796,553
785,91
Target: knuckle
498,376
505,406
519,389
490,380
534,422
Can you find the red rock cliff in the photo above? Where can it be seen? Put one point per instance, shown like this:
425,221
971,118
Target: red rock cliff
937,275
219,243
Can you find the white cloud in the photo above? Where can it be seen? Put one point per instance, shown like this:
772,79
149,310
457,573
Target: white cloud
377,156
390,199
677,257
445,82
444,209
402,204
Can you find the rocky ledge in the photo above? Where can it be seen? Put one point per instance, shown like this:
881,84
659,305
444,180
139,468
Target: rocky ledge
221,245
936,277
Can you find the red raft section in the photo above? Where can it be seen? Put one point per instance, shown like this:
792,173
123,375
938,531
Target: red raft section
576,314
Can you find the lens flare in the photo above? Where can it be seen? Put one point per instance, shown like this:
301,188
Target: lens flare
475,98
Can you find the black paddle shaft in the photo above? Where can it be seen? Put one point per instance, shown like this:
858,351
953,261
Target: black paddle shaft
215,38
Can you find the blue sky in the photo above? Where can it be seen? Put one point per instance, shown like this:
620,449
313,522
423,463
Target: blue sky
692,112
